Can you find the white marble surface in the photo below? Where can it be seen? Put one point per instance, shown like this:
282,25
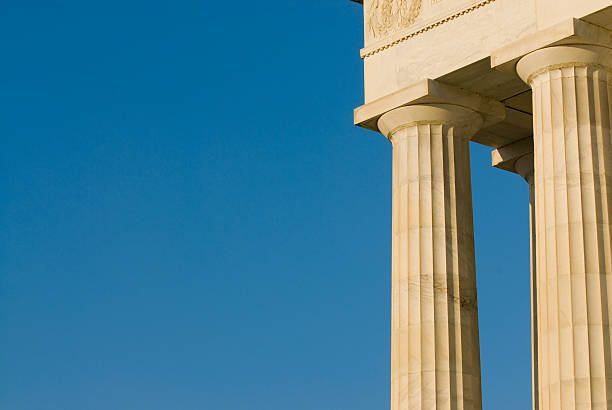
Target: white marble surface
435,355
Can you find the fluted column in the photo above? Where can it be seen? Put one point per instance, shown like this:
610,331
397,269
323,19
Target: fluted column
573,196
435,355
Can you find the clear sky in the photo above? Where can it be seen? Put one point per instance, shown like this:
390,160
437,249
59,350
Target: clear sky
189,219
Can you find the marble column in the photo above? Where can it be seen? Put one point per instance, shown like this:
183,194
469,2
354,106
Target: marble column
572,95
435,353
525,167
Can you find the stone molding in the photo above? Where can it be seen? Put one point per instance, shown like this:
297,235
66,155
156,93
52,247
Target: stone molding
407,34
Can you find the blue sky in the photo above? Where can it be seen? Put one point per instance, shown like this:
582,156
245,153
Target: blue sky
189,219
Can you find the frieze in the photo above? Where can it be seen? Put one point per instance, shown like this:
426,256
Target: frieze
389,22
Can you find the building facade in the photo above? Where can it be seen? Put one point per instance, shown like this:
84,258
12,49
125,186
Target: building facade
533,80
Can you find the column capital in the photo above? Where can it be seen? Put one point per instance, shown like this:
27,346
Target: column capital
525,168
557,57
429,92
465,121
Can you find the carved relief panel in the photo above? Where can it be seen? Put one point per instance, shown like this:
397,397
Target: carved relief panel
384,17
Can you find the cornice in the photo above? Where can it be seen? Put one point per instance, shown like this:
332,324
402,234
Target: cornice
406,34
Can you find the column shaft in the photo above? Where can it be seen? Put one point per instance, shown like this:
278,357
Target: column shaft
435,358
525,167
534,298
572,92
